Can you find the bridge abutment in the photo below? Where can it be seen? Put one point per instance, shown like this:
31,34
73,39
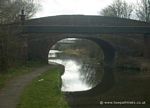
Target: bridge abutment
37,50
39,46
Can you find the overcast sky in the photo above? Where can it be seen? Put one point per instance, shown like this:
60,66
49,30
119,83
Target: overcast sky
68,7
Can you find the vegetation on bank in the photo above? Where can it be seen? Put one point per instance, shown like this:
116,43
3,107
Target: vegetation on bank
44,92
76,52
16,71
82,48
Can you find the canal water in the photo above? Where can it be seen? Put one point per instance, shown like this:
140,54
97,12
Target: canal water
81,71
84,69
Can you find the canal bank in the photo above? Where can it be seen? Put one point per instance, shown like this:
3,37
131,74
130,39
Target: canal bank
44,91
11,93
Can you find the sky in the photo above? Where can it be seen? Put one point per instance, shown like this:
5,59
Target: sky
70,7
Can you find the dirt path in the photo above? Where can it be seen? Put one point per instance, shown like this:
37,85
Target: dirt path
9,95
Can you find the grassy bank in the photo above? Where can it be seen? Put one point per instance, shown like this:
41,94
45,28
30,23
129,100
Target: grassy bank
17,71
44,92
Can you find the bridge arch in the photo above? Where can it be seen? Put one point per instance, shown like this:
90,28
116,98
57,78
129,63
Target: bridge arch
83,24
107,48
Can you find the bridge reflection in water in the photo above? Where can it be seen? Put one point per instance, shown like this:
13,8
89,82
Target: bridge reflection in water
80,73
83,75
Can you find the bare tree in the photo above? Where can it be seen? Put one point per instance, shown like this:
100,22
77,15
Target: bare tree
10,9
118,8
143,10
10,44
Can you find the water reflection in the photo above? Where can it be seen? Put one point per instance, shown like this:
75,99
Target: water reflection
81,59
72,79
79,75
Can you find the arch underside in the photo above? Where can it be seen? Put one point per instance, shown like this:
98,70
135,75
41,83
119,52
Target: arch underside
39,48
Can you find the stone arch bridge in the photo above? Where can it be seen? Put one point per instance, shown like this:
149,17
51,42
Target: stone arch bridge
40,34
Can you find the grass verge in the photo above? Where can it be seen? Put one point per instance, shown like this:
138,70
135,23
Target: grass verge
44,92
17,71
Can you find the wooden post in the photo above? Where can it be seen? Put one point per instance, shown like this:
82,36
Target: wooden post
22,16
